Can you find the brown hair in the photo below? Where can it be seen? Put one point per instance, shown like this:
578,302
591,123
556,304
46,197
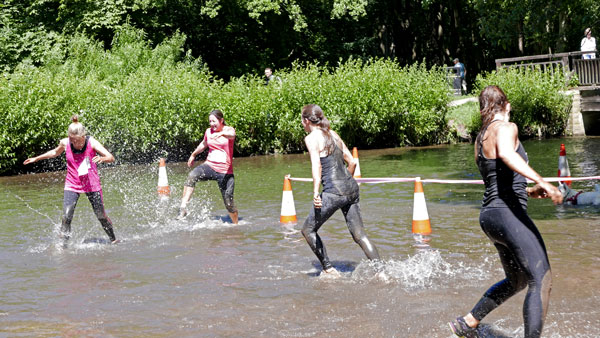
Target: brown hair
492,101
314,114
76,128
219,115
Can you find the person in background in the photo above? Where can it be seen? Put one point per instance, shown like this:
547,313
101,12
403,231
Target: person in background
588,44
270,77
219,139
460,72
83,152
503,163
340,191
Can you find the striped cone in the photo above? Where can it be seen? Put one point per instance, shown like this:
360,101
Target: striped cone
288,209
420,224
163,183
355,156
563,165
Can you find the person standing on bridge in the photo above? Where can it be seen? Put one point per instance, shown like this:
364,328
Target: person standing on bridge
588,44
461,72
503,163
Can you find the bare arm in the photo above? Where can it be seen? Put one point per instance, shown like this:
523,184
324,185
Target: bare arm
105,156
199,149
49,154
227,132
313,150
506,142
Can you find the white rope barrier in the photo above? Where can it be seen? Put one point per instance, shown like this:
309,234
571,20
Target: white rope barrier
375,180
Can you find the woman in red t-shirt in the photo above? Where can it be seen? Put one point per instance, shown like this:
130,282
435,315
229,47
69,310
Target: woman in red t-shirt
218,166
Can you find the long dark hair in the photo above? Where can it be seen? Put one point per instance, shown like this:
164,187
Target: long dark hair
219,115
492,100
314,114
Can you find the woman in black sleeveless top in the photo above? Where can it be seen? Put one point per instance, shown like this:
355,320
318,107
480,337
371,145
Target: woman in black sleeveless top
340,190
503,163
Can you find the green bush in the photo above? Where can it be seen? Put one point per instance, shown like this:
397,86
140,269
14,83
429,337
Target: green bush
539,107
142,102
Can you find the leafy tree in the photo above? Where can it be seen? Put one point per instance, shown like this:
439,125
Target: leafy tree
236,37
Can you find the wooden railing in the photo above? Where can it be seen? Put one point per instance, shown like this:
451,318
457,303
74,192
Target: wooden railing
453,80
587,70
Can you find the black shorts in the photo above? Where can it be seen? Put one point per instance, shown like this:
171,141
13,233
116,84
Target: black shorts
226,183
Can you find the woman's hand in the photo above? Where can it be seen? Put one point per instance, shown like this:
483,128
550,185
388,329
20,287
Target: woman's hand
318,203
536,192
30,160
545,190
190,161
98,159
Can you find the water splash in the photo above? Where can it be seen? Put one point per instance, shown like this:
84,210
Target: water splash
423,270
34,209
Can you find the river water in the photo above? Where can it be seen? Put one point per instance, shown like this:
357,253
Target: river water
204,277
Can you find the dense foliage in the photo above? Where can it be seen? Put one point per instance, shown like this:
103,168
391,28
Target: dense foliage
237,37
141,102
539,105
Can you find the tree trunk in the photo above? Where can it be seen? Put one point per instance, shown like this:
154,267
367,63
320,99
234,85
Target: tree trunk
521,37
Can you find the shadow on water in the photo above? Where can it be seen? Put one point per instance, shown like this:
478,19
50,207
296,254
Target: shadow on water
225,219
488,331
96,240
344,267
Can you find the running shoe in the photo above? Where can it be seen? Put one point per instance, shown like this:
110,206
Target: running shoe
460,328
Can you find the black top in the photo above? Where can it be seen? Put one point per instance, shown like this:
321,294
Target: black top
504,188
334,175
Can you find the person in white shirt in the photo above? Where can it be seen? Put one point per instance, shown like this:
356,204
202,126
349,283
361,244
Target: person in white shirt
588,44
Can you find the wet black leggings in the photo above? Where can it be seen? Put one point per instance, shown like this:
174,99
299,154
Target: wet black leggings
351,210
523,256
226,183
95,198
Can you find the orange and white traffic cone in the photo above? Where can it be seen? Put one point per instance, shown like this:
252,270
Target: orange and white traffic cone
163,183
421,227
355,156
288,209
563,165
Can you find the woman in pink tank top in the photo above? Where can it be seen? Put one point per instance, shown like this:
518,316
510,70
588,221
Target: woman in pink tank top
83,153
219,139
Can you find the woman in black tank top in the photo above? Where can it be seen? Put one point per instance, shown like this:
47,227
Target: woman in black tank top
502,161
340,191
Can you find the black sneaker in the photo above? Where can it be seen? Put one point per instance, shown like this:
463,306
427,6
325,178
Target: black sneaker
460,328
182,214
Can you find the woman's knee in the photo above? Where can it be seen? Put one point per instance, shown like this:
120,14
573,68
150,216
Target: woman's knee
190,181
308,231
543,281
67,215
357,230
362,240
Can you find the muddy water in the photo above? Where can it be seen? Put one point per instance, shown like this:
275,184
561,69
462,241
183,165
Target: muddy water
206,277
